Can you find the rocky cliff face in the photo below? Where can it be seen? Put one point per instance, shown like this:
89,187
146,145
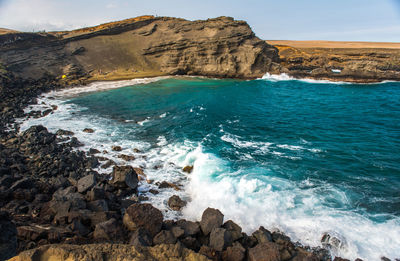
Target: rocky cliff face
337,62
144,46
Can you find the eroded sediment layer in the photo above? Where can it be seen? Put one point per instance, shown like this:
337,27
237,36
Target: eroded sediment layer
144,46
360,62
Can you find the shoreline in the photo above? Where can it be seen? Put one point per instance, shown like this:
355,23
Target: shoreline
247,248
31,228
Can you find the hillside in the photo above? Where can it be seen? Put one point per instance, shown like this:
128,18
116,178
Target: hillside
140,47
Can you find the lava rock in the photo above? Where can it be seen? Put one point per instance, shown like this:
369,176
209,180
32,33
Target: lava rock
234,253
86,183
262,235
164,237
267,251
220,239
189,227
88,130
124,176
188,169
141,238
211,218
109,230
176,203
234,229
116,148
145,216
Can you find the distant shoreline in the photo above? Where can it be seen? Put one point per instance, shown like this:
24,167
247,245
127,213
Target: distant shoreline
335,44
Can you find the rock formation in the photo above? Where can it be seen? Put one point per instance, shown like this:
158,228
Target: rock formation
339,61
139,47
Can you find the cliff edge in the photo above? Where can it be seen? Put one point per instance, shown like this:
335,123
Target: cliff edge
140,47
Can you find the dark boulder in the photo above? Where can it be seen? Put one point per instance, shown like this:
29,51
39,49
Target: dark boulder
109,230
262,235
188,169
220,239
124,176
98,205
116,148
86,183
267,251
176,203
145,216
88,130
211,218
164,237
189,227
234,229
234,253
141,238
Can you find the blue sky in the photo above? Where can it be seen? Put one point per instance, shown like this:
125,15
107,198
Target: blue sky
352,20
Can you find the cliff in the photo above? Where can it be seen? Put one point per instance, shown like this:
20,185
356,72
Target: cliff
140,47
361,62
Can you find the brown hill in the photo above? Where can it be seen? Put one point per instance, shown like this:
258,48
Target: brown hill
139,47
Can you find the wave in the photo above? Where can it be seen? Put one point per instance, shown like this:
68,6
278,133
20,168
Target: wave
286,77
252,199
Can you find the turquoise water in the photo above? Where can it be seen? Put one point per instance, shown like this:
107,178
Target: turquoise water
305,158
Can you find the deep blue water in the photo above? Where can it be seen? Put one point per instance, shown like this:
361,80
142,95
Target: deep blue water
304,157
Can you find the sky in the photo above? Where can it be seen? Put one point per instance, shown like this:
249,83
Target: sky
346,20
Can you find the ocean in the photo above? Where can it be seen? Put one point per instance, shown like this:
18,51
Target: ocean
300,156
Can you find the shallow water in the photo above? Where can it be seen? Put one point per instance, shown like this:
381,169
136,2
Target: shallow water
302,157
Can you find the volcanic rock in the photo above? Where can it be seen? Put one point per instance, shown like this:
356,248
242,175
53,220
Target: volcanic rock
211,218
143,216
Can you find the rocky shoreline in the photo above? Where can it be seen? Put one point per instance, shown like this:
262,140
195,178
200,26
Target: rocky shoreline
50,195
54,205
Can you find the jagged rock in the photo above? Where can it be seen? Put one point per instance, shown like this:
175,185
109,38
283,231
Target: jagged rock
164,237
98,205
145,216
126,157
220,239
109,230
141,237
116,148
267,251
234,253
262,235
211,218
166,184
177,231
86,183
93,151
61,132
189,227
124,176
88,130
95,194
188,169
234,229
176,203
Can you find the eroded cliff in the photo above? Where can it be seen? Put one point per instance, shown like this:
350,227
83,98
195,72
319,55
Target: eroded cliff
139,47
361,62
